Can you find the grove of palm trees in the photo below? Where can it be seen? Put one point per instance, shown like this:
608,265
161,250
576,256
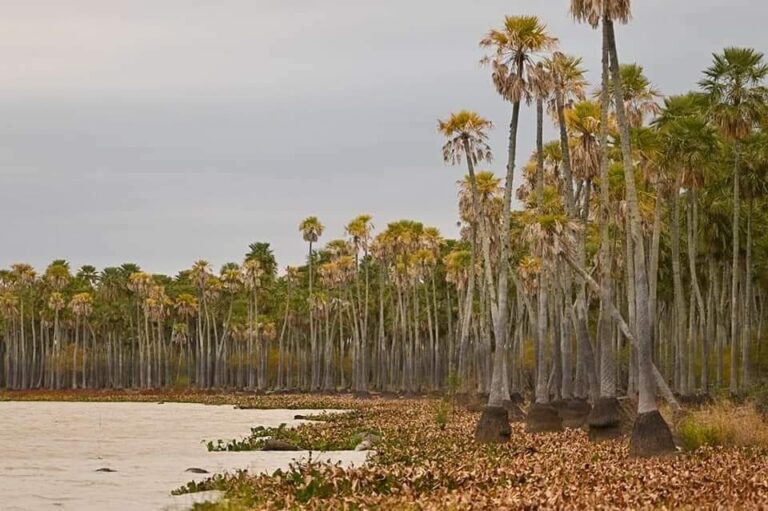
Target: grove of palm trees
606,298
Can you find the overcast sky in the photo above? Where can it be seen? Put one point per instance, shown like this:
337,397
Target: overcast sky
164,131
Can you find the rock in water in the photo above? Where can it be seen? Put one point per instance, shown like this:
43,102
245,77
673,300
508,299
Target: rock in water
365,445
278,445
493,426
105,469
196,470
543,418
651,436
371,437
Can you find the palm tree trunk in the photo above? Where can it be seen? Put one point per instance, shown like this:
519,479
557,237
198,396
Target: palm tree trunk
646,384
747,338
680,311
607,355
734,384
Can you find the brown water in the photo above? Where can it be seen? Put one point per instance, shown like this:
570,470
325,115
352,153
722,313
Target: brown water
50,451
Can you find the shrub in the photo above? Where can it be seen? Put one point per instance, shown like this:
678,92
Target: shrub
442,413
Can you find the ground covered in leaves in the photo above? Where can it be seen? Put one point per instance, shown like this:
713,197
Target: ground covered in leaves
421,463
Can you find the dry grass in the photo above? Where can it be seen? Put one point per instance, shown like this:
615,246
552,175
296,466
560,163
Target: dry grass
724,424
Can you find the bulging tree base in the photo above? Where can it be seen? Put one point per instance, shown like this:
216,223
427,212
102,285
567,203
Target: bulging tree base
651,436
493,426
543,418
514,412
605,420
574,412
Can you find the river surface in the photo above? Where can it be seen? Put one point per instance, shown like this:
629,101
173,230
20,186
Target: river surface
50,453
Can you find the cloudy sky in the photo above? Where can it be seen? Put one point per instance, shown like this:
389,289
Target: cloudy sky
164,131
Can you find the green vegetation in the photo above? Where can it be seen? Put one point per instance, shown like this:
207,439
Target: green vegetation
725,425
300,436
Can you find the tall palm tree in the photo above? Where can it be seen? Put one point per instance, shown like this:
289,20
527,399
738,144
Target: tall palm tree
360,231
568,83
311,229
253,272
688,145
467,138
651,434
755,179
466,134
735,84
81,306
512,49
23,276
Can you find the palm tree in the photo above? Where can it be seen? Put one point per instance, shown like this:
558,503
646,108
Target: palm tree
466,134
311,230
568,83
755,179
735,86
81,306
201,276
467,138
252,279
57,276
360,230
186,307
24,276
688,145
512,49
651,434
639,95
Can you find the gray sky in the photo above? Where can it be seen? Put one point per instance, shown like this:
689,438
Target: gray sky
164,131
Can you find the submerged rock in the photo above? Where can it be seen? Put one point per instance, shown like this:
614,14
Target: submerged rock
365,445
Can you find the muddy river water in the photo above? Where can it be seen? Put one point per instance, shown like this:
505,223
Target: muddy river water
51,452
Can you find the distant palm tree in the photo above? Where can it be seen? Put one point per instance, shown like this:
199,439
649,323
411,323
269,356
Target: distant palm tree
311,229
81,306
24,277
359,230
466,135
735,85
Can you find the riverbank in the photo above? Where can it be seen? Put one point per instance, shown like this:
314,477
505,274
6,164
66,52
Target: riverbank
426,458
